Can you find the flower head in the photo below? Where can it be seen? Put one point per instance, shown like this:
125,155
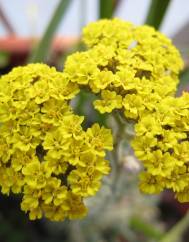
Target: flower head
44,150
129,66
162,144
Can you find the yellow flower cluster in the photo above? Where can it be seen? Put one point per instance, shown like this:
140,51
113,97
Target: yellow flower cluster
131,68
162,144
135,69
45,154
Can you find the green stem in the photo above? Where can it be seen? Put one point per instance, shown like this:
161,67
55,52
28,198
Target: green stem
184,79
40,53
106,8
117,169
76,233
157,12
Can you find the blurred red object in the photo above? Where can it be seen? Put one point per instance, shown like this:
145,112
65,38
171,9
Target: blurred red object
19,48
18,45
169,198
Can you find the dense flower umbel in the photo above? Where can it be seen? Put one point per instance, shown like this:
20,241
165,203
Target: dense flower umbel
44,152
48,157
131,68
162,143
135,70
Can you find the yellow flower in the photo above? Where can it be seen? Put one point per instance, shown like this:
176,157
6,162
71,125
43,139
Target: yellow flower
31,202
138,64
107,32
159,163
77,208
181,151
148,126
110,101
39,91
143,146
6,112
5,150
183,195
35,213
56,144
80,68
25,139
161,143
56,165
54,111
151,184
75,152
103,79
42,142
47,156
62,89
53,192
21,158
102,166
10,180
55,213
178,180
99,139
132,105
83,182
71,126
36,174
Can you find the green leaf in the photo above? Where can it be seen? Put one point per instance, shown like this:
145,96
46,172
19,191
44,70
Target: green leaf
84,104
106,8
40,53
139,225
175,234
4,59
157,12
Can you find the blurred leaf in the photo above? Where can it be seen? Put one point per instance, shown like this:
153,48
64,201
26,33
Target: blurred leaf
106,8
40,53
83,98
147,229
184,79
175,234
156,12
85,107
11,234
4,59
